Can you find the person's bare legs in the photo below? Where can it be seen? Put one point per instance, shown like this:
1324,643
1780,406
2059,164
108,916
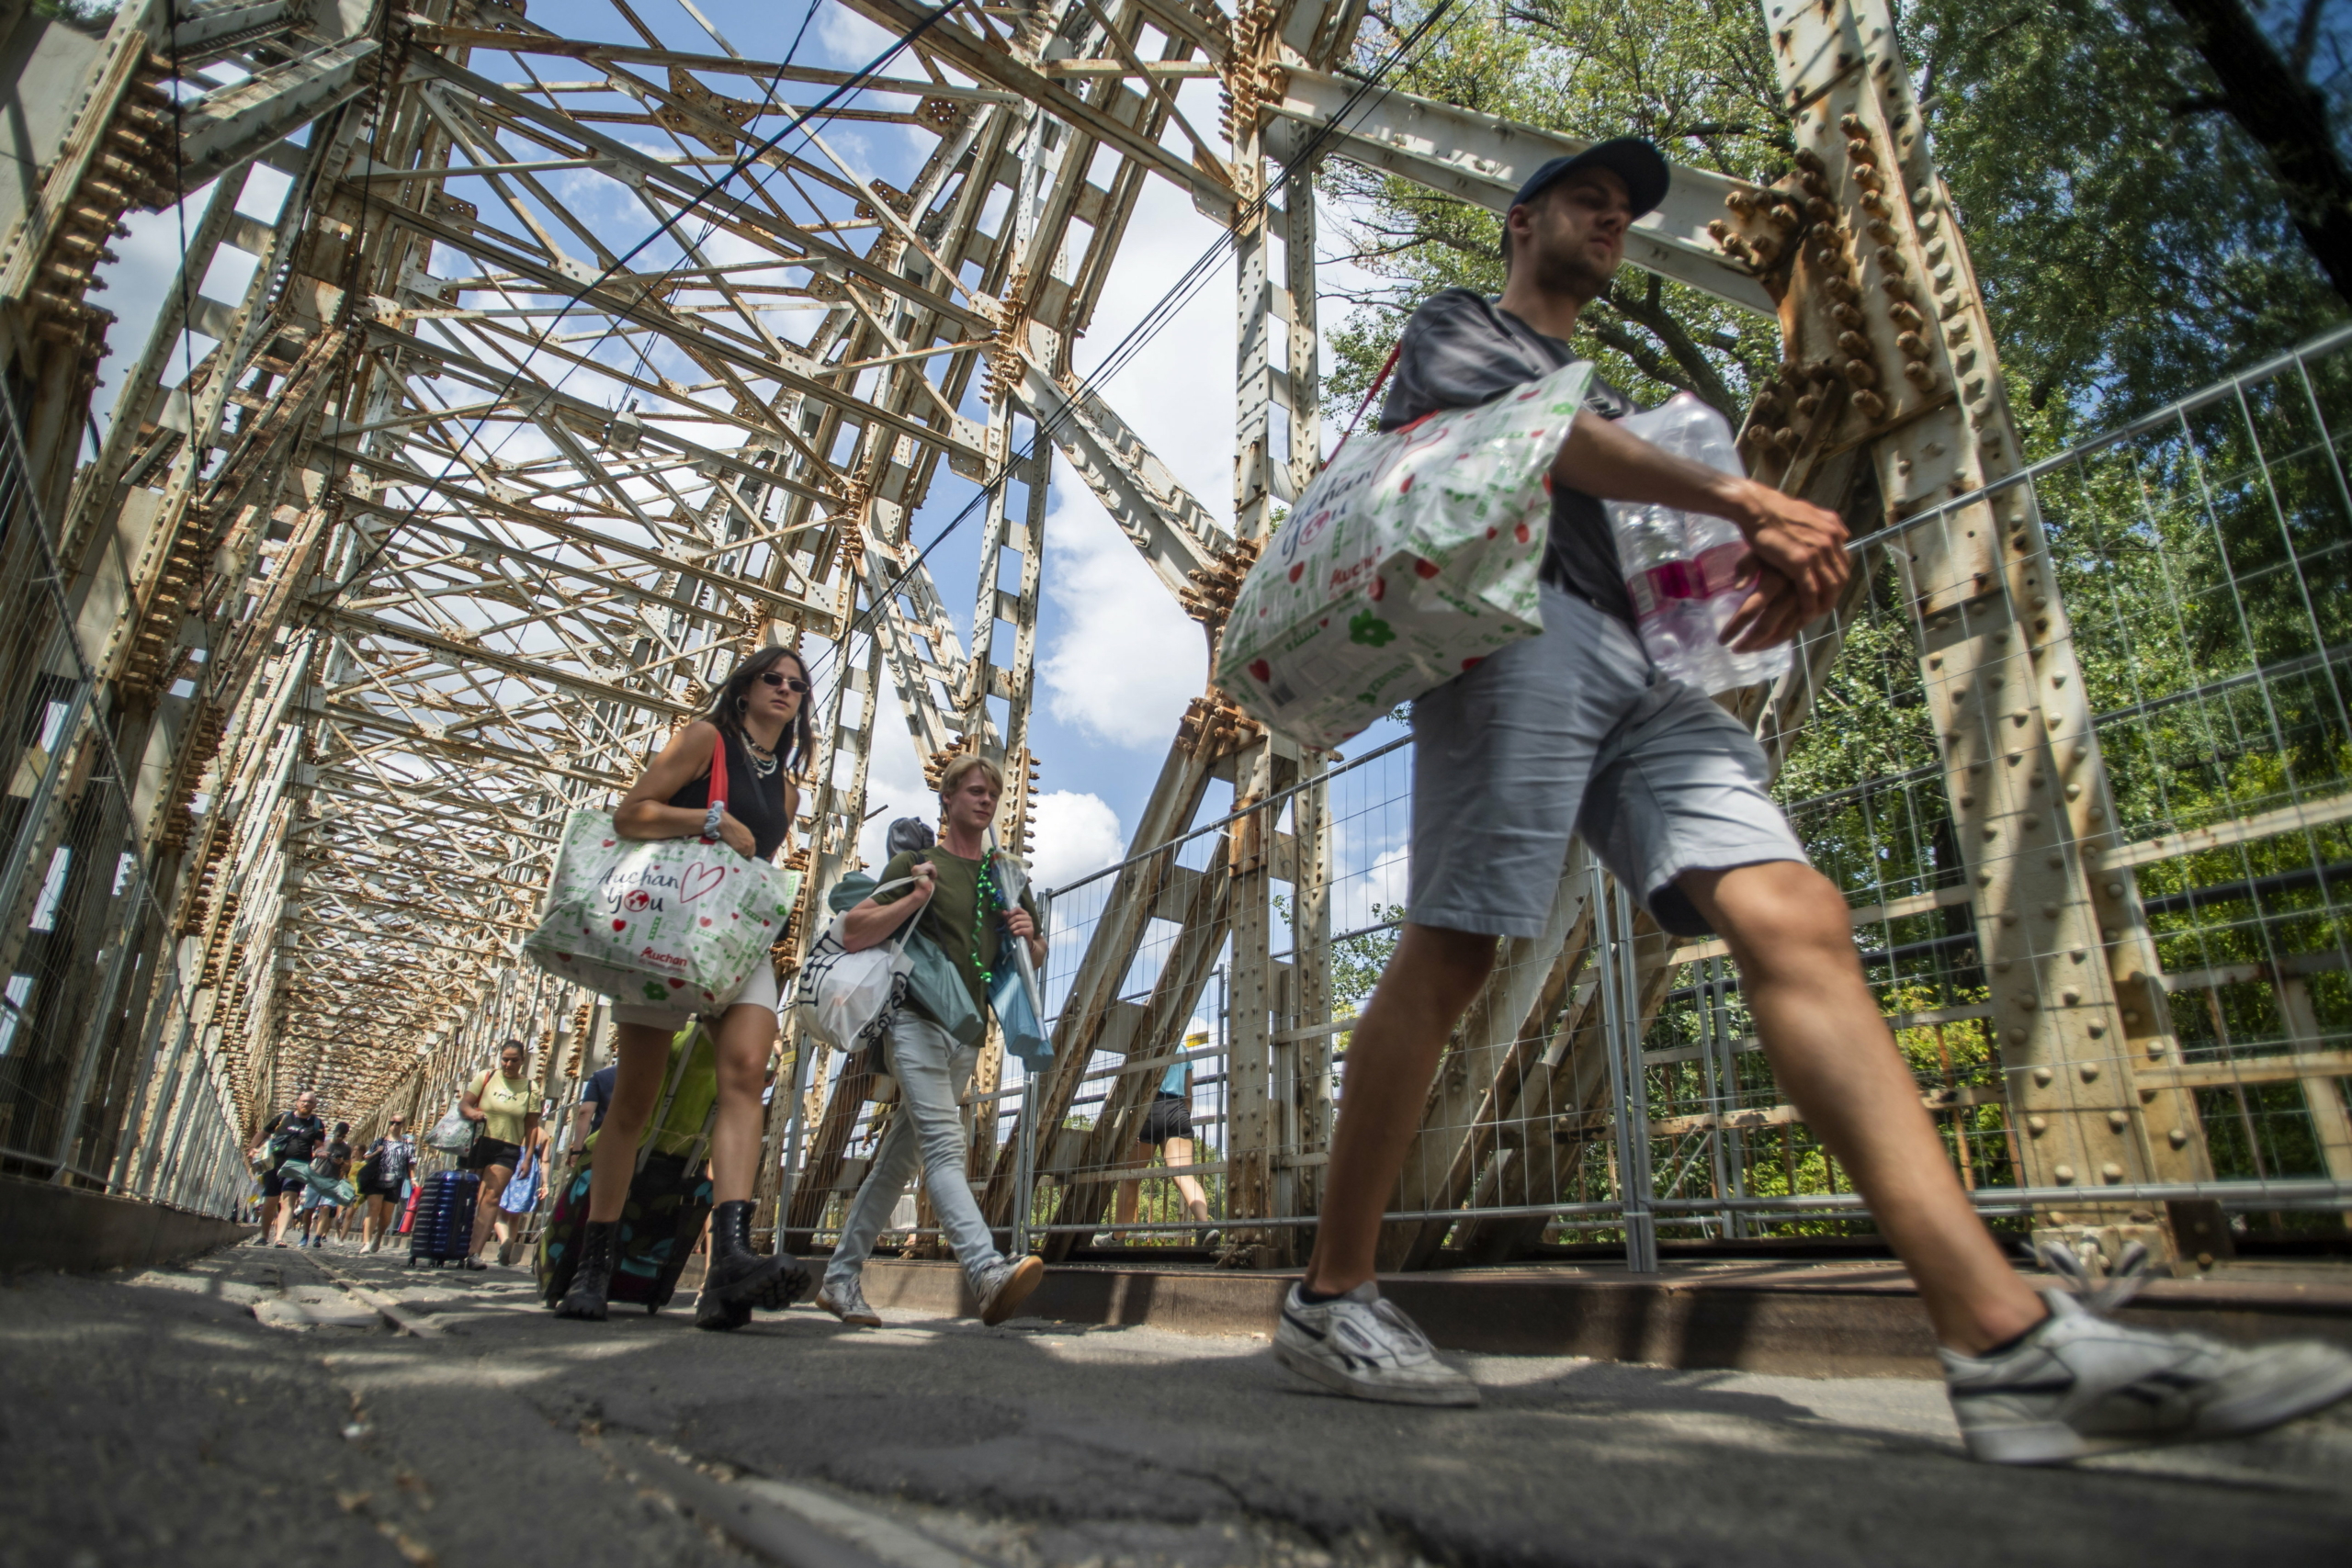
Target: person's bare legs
1175,1151
1788,929
1130,1195
494,1178
746,1038
1432,979
642,1053
1179,1152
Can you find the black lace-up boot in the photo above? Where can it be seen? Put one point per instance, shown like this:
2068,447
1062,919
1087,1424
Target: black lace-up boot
594,1277
740,1279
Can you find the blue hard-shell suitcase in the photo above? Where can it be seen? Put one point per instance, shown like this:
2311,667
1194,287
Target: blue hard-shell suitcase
444,1231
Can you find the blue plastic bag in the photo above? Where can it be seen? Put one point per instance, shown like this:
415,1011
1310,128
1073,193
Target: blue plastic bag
1016,1015
521,1194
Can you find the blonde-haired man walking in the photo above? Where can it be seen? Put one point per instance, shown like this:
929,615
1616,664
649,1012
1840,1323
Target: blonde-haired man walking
958,905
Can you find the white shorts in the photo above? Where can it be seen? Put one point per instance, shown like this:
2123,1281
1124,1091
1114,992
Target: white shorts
759,991
1574,731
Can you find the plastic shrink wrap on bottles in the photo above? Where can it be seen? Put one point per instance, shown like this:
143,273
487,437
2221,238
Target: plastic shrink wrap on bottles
1681,568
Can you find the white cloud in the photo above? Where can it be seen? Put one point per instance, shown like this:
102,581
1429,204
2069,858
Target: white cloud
1076,834
851,36
1177,391
1124,658
1360,898
893,780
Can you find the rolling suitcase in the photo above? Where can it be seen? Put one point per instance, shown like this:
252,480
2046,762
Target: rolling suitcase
669,1198
443,1228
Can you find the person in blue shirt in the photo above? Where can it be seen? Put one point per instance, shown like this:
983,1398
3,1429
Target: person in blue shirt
596,1098
1168,1130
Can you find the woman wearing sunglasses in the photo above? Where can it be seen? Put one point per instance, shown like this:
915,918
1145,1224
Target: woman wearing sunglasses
761,715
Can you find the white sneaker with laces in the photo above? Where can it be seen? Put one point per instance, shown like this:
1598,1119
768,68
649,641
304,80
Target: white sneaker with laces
2081,1385
1358,1343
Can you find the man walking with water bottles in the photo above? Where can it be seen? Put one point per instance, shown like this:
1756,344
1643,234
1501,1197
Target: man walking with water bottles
1575,732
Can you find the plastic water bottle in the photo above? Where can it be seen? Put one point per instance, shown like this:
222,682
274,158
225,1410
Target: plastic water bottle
1681,568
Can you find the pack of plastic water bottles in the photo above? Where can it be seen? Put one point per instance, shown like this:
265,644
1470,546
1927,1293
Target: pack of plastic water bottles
1682,568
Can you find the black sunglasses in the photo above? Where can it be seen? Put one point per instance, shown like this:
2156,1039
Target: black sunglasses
789,683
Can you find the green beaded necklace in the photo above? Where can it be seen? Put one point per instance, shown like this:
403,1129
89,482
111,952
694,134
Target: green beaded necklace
987,891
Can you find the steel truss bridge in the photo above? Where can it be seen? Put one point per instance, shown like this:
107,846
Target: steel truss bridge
319,636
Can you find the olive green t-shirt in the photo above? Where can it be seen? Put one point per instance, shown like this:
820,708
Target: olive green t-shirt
949,920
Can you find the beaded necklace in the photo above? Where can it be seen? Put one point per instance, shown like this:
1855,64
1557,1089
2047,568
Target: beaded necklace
987,891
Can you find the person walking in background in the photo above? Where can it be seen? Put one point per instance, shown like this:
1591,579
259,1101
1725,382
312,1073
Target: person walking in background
506,1102
323,1188
959,908
595,1099
1167,1130
289,1135
1574,731
383,1182
760,715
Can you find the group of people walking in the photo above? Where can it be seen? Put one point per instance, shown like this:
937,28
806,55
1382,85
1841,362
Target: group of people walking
1571,732
308,1186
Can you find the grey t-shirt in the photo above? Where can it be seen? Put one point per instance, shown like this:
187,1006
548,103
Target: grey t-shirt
1462,349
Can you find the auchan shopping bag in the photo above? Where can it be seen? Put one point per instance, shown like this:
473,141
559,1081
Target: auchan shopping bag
676,922
1412,557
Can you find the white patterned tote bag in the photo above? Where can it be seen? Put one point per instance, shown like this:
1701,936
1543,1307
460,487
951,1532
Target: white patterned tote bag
676,922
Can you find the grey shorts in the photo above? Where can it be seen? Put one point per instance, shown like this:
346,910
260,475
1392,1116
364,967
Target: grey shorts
1573,731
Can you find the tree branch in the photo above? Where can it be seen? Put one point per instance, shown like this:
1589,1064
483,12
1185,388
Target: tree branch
1698,373
2287,118
2299,60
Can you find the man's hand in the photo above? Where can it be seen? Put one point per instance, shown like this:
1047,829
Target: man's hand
1768,616
1802,544
1017,922
926,877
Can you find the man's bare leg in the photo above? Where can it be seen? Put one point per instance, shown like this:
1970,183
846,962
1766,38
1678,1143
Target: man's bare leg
1432,979
1788,929
1128,1200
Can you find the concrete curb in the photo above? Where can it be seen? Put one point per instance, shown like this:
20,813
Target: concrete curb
45,1228
1864,1323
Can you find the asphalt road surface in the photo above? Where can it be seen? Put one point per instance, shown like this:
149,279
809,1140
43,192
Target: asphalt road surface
250,1409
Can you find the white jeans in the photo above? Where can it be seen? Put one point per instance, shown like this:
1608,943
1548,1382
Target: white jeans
926,1135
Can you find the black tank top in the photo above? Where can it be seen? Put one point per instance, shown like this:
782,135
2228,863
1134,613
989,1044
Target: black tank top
755,802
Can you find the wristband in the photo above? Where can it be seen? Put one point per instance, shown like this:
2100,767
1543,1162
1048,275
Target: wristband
710,821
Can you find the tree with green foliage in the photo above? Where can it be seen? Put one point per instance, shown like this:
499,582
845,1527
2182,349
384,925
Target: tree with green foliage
2132,238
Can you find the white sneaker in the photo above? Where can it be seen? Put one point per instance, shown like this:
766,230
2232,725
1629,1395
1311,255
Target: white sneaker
1005,1286
1362,1345
2080,1385
845,1298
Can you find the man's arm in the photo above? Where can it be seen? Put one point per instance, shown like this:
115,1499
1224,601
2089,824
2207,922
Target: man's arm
871,923
1800,548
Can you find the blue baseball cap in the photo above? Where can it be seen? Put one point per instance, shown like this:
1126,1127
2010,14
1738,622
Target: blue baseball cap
1631,158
